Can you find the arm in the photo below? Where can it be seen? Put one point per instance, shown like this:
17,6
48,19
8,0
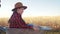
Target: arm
22,23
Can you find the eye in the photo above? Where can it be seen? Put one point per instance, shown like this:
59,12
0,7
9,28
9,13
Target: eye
19,8
22,8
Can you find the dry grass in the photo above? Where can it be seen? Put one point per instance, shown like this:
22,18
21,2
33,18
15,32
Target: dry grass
53,21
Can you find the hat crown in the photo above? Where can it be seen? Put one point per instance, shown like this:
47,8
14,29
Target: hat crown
18,4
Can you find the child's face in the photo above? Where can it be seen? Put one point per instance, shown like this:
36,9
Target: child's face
20,11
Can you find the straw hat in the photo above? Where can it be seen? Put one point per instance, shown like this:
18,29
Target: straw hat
19,5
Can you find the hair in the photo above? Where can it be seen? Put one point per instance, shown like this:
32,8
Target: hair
14,10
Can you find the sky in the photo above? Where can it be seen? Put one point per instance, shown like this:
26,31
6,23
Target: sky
35,7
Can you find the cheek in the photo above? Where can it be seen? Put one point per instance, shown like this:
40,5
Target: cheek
20,11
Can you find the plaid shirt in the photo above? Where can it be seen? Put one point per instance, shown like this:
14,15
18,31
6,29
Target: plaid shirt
16,21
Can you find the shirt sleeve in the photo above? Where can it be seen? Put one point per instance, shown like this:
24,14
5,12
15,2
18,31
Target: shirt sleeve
21,23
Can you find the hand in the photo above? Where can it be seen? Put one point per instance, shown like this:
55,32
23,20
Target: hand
35,28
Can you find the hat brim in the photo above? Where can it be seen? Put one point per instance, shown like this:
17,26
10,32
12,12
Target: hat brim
19,8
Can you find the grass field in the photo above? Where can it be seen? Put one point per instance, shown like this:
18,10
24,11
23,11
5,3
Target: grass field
53,21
